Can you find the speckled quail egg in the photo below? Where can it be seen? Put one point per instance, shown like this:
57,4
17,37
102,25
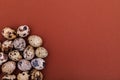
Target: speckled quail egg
8,67
15,55
7,46
3,58
38,63
23,30
9,77
9,33
24,65
36,75
35,40
29,53
23,76
41,52
19,44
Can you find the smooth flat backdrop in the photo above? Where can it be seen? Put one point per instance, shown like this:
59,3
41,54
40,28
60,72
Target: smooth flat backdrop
82,36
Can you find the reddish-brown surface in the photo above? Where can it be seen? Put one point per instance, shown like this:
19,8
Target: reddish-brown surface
82,36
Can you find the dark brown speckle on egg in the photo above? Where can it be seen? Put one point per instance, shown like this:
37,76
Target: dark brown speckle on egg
25,28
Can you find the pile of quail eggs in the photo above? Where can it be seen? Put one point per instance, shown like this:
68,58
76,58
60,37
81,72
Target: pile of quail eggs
19,52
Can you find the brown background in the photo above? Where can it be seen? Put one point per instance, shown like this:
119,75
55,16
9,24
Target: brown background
82,36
